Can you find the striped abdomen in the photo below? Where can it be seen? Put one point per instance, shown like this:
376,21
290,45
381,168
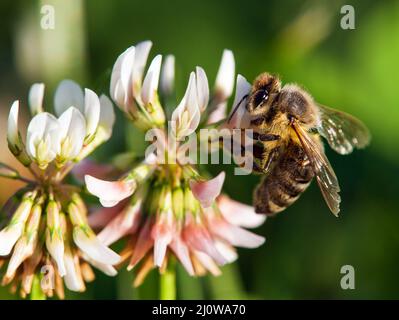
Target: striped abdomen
290,176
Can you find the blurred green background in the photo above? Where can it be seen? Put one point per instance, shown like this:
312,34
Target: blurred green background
353,70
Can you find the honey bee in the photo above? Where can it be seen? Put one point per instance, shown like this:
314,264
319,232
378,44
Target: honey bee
287,127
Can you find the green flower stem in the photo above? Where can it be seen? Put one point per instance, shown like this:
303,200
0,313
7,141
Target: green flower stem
167,282
37,293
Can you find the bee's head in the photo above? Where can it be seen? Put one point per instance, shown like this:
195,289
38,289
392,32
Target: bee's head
297,103
265,89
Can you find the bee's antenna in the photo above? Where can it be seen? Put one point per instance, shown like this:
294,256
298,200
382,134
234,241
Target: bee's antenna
236,107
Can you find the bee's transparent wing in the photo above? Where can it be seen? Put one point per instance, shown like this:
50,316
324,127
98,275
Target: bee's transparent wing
325,176
342,131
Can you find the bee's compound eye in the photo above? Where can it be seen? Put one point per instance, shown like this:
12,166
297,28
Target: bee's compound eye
260,97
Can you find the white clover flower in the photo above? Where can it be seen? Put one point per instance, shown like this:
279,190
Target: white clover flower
138,98
168,208
43,139
49,227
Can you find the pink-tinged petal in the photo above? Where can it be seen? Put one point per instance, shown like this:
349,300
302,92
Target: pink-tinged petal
92,168
234,235
143,244
208,263
226,250
162,234
109,192
198,238
101,217
161,243
238,213
183,254
126,222
207,191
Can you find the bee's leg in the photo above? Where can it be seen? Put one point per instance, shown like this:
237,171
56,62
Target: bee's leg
265,136
265,166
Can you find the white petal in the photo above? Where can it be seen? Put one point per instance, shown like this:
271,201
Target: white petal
140,60
12,130
235,235
126,73
72,127
225,77
36,94
117,91
119,95
91,112
43,125
226,251
107,115
96,250
208,263
218,114
9,236
167,81
22,250
73,280
243,87
186,117
239,214
151,80
108,269
68,94
126,222
160,246
182,253
240,118
55,247
202,88
116,71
